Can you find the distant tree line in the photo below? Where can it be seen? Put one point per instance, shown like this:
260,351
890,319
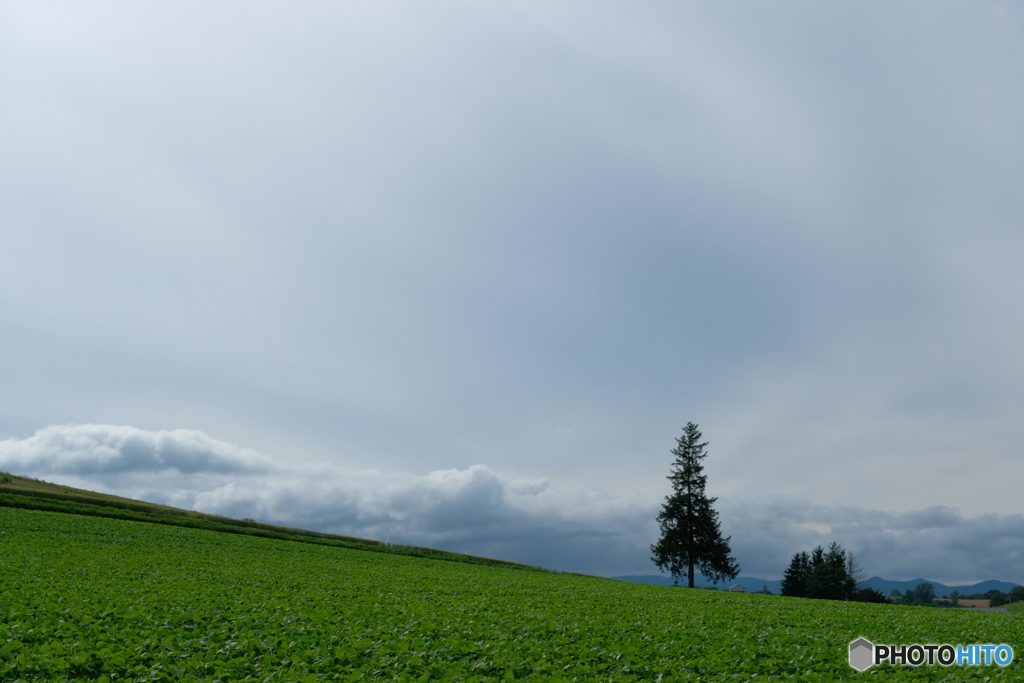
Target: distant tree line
923,594
827,575
997,598
833,574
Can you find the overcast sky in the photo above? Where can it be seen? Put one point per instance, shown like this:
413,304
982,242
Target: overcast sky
458,273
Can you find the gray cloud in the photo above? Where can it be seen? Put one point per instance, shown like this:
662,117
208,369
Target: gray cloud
483,512
411,239
106,450
475,510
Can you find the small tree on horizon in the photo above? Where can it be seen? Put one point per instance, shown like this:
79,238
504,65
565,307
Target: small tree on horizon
691,537
830,575
794,580
868,595
924,593
853,568
829,579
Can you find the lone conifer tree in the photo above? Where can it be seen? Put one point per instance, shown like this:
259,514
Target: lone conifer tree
690,534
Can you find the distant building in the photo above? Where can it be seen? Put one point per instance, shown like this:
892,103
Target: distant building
737,589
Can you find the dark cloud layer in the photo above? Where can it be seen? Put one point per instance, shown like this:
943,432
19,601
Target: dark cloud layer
479,511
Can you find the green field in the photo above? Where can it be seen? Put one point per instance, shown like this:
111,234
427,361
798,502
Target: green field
97,599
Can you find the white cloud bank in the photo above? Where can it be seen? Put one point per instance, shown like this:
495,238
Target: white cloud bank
483,512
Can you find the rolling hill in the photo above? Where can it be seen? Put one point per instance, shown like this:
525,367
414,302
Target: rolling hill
33,494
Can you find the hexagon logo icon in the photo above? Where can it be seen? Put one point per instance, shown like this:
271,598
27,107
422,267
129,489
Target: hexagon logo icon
862,654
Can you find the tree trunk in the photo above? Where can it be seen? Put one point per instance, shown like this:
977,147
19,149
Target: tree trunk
689,574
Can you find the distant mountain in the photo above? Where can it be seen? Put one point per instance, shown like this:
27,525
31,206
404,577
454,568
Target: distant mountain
883,586
751,584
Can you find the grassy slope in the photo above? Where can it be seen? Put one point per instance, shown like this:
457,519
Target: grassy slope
87,597
33,494
25,485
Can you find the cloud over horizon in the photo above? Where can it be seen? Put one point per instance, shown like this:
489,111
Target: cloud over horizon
539,236
480,511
